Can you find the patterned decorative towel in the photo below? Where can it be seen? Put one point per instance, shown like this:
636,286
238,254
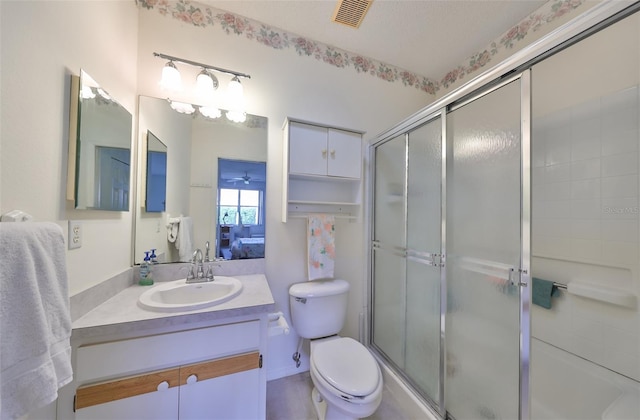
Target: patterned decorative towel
321,246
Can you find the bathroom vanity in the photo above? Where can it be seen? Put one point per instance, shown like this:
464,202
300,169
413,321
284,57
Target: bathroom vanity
132,363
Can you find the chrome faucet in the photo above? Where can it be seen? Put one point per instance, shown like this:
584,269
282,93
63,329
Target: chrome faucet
196,262
206,254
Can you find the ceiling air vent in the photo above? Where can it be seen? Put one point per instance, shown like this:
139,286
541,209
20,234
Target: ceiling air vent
351,12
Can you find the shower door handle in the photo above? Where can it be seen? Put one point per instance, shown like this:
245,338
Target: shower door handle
515,277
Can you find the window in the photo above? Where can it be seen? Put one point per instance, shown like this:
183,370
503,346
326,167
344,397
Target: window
240,207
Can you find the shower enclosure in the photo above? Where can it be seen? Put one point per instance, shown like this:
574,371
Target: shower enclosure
534,174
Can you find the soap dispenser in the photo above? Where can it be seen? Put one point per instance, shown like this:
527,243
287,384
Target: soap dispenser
153,257
146,278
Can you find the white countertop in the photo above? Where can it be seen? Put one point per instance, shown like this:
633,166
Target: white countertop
121,313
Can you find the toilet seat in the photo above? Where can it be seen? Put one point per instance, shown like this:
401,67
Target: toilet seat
347,367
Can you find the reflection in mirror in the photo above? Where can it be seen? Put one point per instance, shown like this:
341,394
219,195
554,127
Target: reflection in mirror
241,197
156,186
194,145
99,148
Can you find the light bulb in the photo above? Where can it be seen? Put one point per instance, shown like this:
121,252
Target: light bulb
206,83
235,98
210,112
182,107
86,92
171,79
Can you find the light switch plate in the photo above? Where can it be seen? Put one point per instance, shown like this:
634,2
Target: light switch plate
75,234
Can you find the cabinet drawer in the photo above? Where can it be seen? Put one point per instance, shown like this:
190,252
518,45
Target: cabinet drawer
117,358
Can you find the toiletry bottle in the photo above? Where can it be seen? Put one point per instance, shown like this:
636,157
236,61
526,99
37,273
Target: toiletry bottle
154,258
146,278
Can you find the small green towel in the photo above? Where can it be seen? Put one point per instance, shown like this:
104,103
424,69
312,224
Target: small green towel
542,292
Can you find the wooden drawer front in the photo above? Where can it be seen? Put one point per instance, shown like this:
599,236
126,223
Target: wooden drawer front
87,396
220,367
117,358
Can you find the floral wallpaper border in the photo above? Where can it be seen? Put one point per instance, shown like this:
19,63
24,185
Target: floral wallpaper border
203,16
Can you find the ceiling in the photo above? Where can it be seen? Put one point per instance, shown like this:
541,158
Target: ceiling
427,37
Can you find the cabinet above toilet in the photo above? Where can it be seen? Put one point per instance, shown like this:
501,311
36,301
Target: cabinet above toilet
322,170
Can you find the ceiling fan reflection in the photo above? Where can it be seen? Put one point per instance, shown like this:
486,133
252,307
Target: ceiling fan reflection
246,178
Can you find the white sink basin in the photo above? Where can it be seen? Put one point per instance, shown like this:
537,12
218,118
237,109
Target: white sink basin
179,295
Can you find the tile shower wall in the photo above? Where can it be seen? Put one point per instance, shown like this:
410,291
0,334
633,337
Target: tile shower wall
585,225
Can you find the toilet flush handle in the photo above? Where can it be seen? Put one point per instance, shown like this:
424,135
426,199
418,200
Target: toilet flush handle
299,299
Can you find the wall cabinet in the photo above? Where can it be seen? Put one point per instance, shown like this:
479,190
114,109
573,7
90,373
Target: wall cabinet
213,373
323,170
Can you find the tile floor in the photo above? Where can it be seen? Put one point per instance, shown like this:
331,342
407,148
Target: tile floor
289,398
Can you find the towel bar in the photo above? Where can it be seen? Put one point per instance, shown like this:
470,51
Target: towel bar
560,285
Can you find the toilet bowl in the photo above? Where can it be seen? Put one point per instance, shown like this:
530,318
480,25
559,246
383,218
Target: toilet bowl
347,379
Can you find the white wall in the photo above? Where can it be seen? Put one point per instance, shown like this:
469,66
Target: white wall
284,84
43,43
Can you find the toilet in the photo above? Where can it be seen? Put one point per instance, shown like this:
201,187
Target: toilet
347,379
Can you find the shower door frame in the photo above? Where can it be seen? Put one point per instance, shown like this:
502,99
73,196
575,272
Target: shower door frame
593,20
522,277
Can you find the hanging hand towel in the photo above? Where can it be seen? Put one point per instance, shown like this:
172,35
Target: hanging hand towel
35,318
184,243
542,292
320,246
172,229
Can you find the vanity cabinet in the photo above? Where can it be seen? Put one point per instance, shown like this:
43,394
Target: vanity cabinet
323,170
212,373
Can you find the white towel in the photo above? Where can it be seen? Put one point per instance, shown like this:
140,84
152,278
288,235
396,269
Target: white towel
184,243
35,320
172,231
320,246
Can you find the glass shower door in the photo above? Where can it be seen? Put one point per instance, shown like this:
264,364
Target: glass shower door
407,257
389,238
483,219
424,226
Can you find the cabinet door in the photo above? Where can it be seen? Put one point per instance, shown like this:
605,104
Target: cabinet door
235,396
149,396
226,389
345,154
307,149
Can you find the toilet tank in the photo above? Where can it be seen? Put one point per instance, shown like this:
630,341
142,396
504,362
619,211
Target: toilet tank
318,308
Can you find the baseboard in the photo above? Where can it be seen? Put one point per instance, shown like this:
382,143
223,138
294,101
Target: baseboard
273,374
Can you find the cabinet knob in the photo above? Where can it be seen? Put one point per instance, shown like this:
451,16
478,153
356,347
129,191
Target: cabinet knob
324,153
333,154
163,386
192,379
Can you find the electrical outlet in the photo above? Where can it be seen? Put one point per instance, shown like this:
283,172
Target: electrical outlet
75,234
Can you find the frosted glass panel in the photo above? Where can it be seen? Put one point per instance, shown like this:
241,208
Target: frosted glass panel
422,357
483,243
389,197
389,305
423,328
585,221
424,180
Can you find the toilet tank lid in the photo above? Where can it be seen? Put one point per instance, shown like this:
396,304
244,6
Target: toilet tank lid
319,288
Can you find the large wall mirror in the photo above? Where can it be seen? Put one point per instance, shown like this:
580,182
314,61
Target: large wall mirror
209,161
99,148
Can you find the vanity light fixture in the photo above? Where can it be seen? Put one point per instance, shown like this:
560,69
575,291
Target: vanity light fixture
182,107
86,92
206,84
235,93
210,112
171,79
